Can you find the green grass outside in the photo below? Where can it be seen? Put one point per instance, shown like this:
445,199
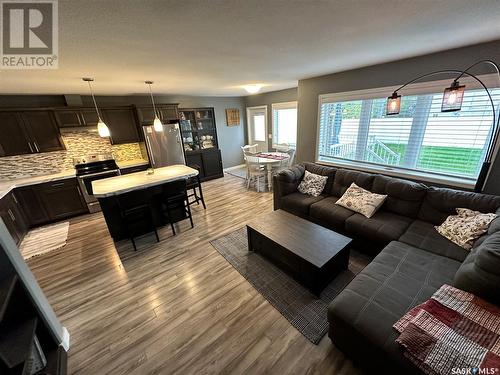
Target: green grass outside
460,160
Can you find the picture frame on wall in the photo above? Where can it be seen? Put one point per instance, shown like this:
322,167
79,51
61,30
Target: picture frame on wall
233,117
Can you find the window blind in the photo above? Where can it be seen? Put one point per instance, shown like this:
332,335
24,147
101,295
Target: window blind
420,138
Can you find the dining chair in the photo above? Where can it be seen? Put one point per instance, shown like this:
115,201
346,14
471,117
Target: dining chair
255,171
291,157
283,147
250,149
175,203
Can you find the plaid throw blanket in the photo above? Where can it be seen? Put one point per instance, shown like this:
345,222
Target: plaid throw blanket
452,330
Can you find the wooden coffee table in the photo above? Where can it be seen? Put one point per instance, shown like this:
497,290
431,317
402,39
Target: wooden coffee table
310,253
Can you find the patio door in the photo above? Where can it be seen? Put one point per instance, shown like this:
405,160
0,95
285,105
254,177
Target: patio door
257,127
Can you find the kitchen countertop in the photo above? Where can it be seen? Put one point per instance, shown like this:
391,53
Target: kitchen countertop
139,180
7,186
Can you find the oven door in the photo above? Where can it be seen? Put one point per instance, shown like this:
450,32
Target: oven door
86,183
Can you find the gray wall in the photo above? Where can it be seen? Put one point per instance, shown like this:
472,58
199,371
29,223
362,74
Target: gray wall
230,138
388,74
268,98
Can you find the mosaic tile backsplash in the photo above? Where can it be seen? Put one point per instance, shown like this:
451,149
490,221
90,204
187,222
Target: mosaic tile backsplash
78,143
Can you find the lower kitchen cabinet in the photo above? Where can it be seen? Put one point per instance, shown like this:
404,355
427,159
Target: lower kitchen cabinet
12,215
209,163
51,201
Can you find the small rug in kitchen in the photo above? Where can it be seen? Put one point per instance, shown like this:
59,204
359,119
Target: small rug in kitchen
44,239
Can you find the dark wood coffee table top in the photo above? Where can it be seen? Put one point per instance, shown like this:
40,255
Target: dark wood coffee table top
310,241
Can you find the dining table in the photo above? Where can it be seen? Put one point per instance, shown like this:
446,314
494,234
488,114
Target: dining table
270,160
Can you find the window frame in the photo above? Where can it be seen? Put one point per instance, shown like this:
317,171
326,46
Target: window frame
428,87
278,106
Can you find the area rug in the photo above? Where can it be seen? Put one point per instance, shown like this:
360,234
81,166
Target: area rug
44,239
306,312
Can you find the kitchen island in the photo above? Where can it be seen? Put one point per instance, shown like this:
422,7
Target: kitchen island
136,189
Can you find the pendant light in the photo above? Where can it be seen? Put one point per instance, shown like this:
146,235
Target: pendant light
102,128
157,125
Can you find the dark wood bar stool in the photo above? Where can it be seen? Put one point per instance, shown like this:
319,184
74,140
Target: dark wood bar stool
193,184
175,203
137,218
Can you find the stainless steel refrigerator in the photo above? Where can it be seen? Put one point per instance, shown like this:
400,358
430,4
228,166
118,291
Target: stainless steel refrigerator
164,147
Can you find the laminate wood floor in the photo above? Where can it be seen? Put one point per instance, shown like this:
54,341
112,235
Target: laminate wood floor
176,306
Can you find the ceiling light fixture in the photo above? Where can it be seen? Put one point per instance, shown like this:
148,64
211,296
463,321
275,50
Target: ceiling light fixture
102,128
157,125
252,89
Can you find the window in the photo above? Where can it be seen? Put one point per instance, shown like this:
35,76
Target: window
259,127
285,124
420,139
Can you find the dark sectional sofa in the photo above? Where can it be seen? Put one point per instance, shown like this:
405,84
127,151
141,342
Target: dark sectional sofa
413,260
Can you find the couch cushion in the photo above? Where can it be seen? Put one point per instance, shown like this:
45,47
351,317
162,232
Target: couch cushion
424,236
403,197
312,184
329,213
480,271
439,203
299,203
399,278
345,177
322,170
382,227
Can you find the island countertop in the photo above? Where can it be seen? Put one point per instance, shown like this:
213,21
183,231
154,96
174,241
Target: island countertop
140,180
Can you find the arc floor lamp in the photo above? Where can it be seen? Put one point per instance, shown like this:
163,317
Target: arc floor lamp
452,101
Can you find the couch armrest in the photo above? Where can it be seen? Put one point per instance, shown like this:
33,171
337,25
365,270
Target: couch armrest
286,182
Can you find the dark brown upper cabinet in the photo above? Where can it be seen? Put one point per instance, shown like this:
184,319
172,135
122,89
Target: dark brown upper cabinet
76,117
122,124
13,138
166,112
28,131
42,130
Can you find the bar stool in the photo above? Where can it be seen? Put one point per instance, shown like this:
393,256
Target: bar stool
194,183
175,203
137,219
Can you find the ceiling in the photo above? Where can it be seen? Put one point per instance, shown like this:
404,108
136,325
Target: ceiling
213,47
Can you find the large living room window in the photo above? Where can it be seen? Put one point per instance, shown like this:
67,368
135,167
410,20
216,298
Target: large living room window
354,129
285,124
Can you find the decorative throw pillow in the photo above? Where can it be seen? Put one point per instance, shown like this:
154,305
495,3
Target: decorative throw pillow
465,227
360,200
312,184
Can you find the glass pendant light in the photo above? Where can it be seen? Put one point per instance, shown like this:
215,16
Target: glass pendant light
393,104
452,97
102,128
157,124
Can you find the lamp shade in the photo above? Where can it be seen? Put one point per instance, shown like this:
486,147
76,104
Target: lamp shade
453,97
393,104
157,125
102,129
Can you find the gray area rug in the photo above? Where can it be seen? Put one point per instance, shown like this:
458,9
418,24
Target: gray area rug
240,172
300,307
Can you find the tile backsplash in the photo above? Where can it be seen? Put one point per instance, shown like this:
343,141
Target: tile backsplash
78,143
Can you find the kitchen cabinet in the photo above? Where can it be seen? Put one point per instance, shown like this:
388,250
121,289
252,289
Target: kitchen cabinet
199,135
13,216
62,199
76,117
209,163
42,130
122,123
13,138
166,113
28,131
51,201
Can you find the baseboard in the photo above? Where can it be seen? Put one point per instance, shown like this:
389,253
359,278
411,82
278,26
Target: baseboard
235,167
